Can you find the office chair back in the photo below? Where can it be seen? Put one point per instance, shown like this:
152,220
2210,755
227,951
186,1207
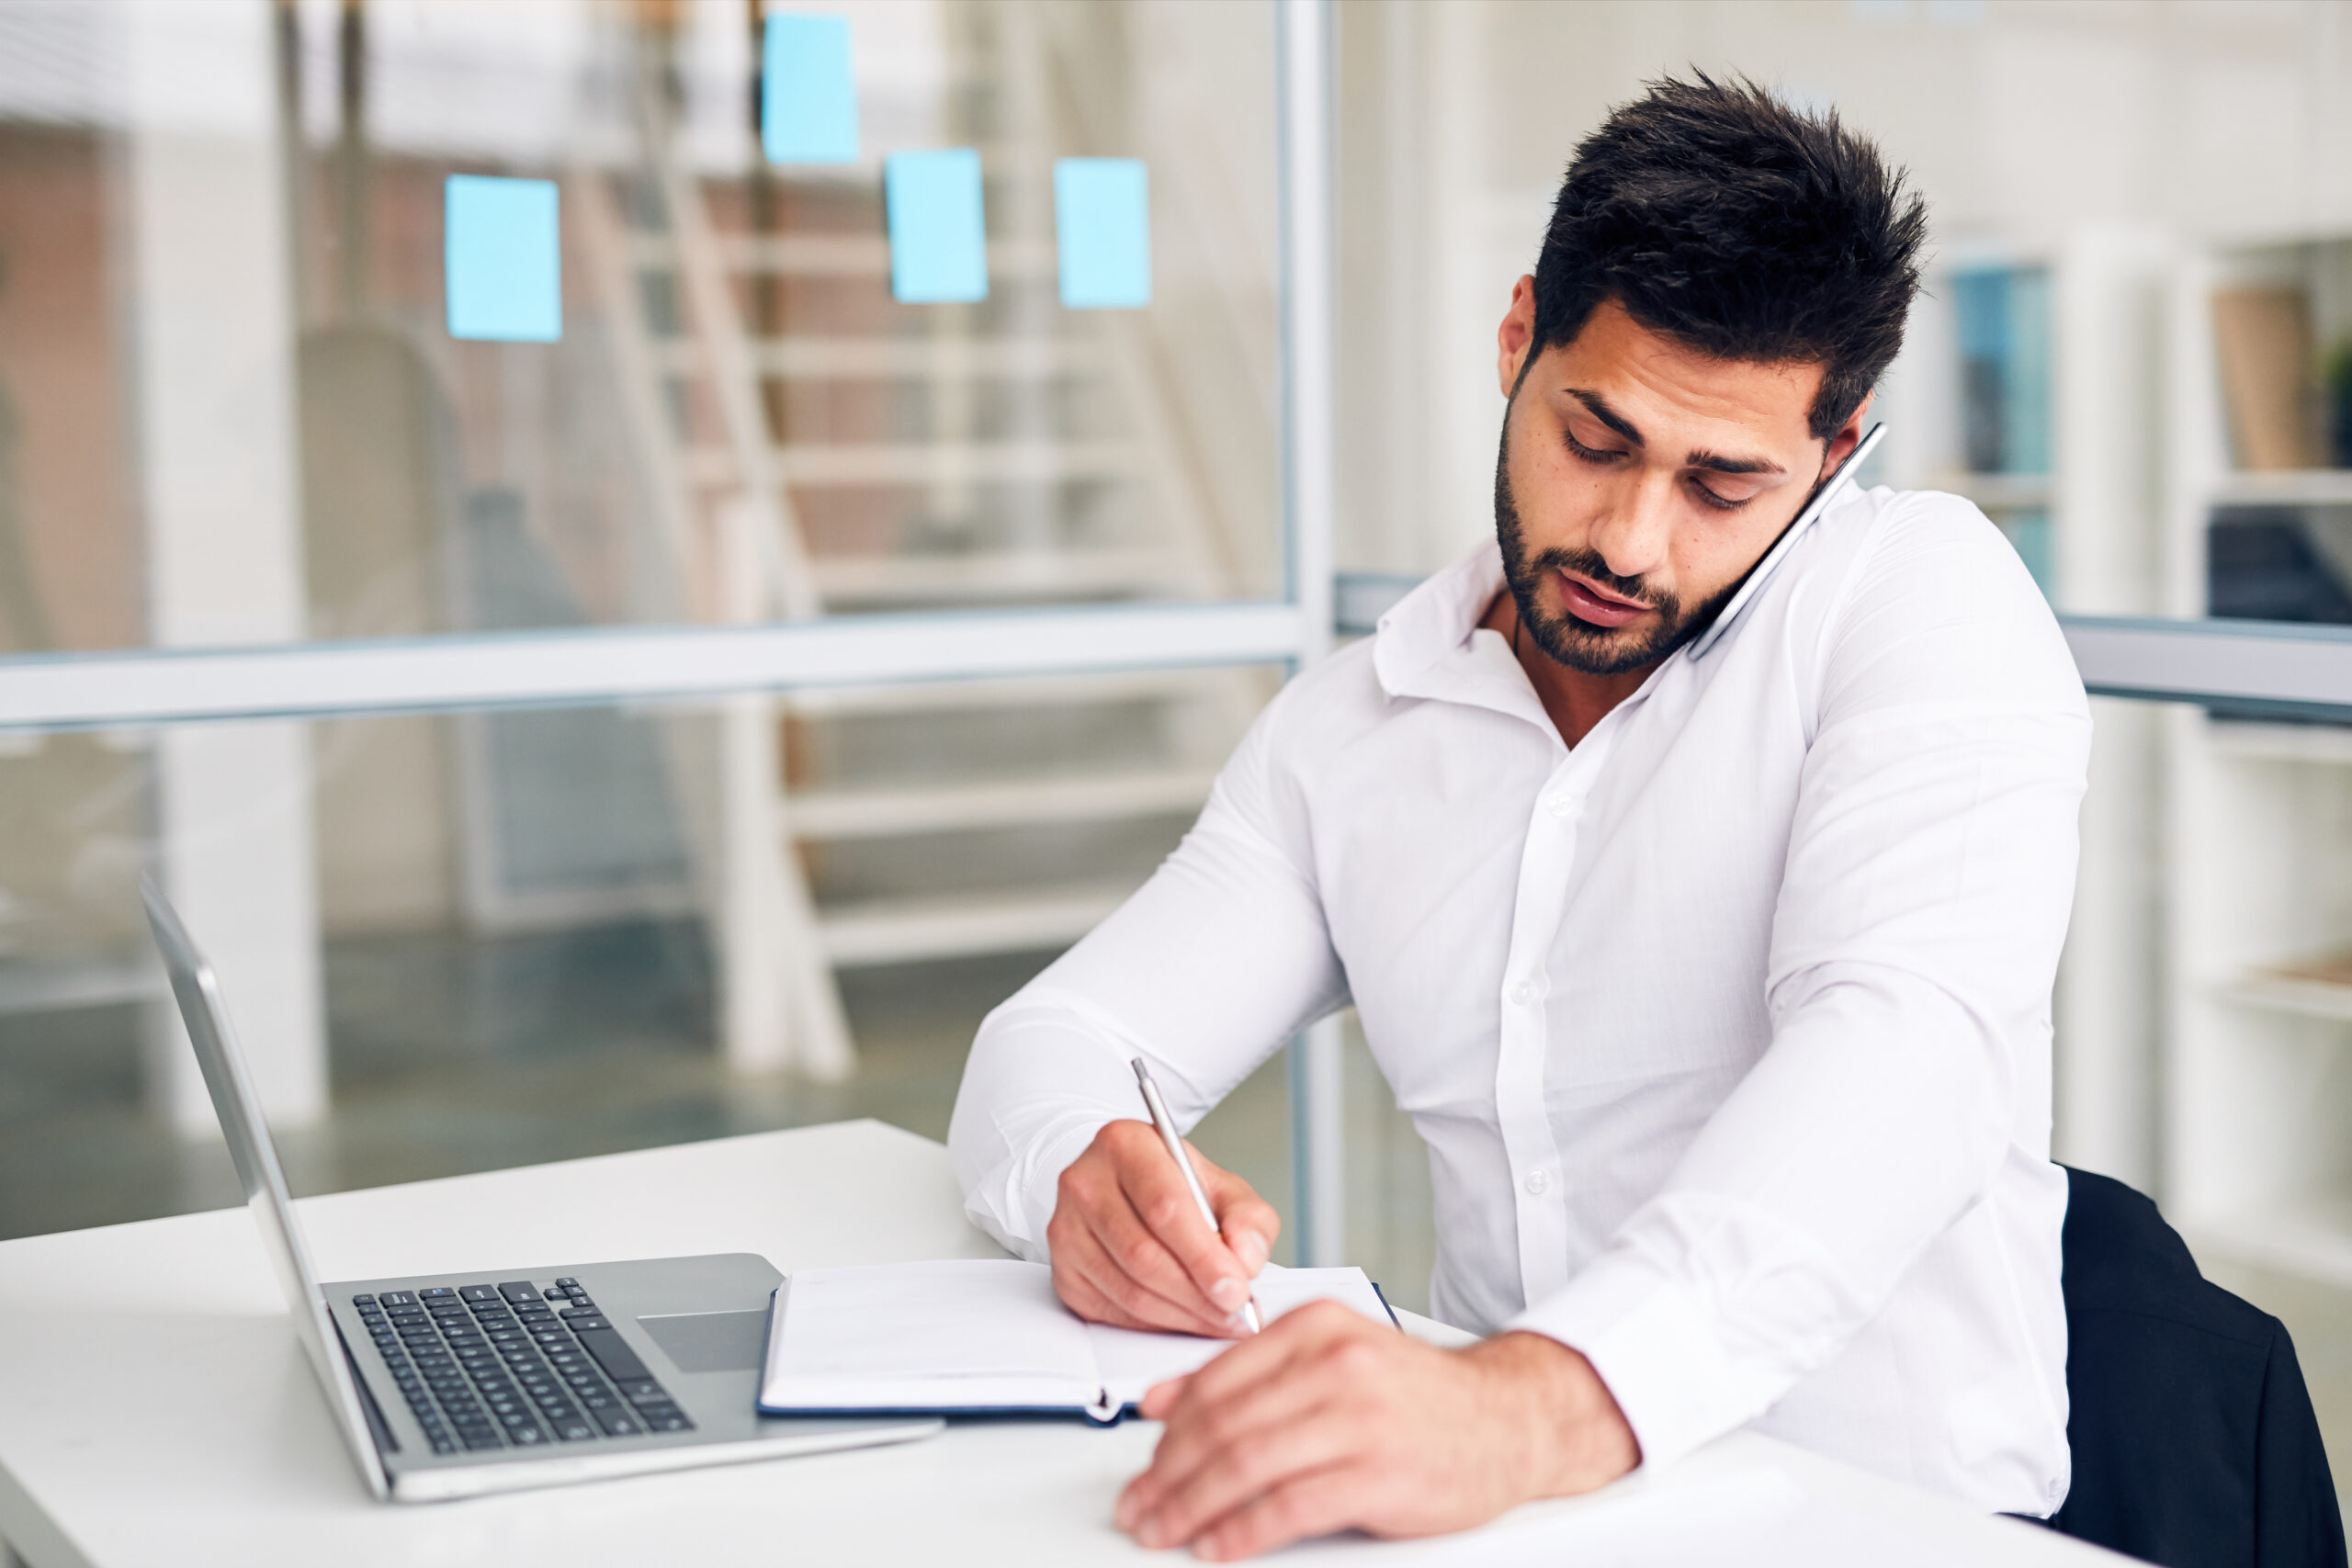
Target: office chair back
2195,1445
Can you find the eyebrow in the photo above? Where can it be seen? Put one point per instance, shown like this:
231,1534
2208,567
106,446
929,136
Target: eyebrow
1714,462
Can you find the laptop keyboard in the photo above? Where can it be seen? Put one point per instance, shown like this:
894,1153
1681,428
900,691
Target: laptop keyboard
513,1366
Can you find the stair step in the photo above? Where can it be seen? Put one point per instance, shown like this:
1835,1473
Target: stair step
1015,574
903,930
832,255
894,358
34,985
1013,803
1032,691
841,465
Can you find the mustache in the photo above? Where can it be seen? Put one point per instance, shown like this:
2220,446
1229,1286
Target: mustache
1588,564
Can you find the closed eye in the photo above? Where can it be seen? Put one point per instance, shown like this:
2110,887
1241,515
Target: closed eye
1708,497
1589,454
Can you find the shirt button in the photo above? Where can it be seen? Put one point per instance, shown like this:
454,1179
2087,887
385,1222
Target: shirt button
1560,806
1523,992
1538,1182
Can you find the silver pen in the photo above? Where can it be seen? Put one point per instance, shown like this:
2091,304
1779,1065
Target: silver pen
1158,1109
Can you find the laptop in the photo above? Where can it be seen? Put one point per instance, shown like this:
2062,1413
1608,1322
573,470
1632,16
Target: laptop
452,1385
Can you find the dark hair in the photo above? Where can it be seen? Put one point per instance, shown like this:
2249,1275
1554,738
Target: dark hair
1718,216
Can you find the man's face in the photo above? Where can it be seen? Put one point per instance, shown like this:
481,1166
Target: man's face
1640,480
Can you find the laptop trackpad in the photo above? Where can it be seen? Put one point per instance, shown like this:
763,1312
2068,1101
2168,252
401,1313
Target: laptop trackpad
711,1341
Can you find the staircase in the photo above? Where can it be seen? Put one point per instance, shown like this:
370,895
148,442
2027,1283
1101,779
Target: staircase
822,450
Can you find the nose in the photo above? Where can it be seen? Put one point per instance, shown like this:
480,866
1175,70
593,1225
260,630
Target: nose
1632,537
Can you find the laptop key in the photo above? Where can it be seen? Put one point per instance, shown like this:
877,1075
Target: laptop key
572,1428
612,1353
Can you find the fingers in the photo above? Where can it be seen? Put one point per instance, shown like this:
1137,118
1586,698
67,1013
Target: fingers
1297,1336
1248,1221
1244,1471
1237,1417
1314,1503
1326,1422
1156,1192
1252,1453
1082,1296
1127,1223
1093,1272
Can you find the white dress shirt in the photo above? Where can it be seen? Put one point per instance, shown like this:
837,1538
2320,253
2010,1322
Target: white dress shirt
1728,1030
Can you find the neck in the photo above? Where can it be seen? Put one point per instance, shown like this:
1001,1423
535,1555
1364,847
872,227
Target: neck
1575,699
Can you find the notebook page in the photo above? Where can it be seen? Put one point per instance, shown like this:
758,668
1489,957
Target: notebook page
967,1334
1132,1362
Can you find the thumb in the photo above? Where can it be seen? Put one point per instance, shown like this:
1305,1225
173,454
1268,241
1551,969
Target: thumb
1249,1246
1248,1221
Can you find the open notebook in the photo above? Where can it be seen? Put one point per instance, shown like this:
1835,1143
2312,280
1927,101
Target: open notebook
986,1336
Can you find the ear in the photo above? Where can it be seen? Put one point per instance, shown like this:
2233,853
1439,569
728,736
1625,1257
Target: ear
1850,435
1515,333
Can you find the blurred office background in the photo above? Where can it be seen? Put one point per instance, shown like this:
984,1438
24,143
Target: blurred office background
230,413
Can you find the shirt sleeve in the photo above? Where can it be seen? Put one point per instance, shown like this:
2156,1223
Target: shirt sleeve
1216,962
1929,875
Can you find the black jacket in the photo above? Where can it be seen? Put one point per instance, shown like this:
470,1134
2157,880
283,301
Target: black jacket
2194,1441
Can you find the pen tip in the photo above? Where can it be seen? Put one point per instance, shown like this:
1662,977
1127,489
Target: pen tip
1141,1071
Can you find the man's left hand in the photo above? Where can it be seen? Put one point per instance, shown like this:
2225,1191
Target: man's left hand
1328,1421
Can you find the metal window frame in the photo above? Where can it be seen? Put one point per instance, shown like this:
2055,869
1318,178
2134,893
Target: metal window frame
2285,670
628,664
2289,670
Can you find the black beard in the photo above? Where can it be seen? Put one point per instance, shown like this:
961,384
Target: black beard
1580,645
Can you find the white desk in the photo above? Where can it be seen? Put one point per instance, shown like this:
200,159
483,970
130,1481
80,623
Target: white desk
154,1407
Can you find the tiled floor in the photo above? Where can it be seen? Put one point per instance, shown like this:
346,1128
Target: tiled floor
453,1055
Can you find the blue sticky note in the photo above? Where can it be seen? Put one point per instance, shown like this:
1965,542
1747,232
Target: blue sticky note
1102,233
504,256
939,249
808,106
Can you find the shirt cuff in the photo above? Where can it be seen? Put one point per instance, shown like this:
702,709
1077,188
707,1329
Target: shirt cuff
1038,1190
1658,1349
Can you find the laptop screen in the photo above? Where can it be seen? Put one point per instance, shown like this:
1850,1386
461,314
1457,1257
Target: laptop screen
239,1107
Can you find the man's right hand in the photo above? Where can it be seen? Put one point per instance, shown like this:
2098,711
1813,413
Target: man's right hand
1131,1249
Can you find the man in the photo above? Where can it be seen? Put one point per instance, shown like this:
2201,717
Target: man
1715,977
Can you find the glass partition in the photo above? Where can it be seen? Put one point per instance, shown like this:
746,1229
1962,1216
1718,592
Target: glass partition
632,567
455,941
242,400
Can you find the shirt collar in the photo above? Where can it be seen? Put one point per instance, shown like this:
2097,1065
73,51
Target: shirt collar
1431,645
1435,622
1427,644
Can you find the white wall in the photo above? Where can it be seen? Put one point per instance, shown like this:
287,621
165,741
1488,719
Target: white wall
2022,121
